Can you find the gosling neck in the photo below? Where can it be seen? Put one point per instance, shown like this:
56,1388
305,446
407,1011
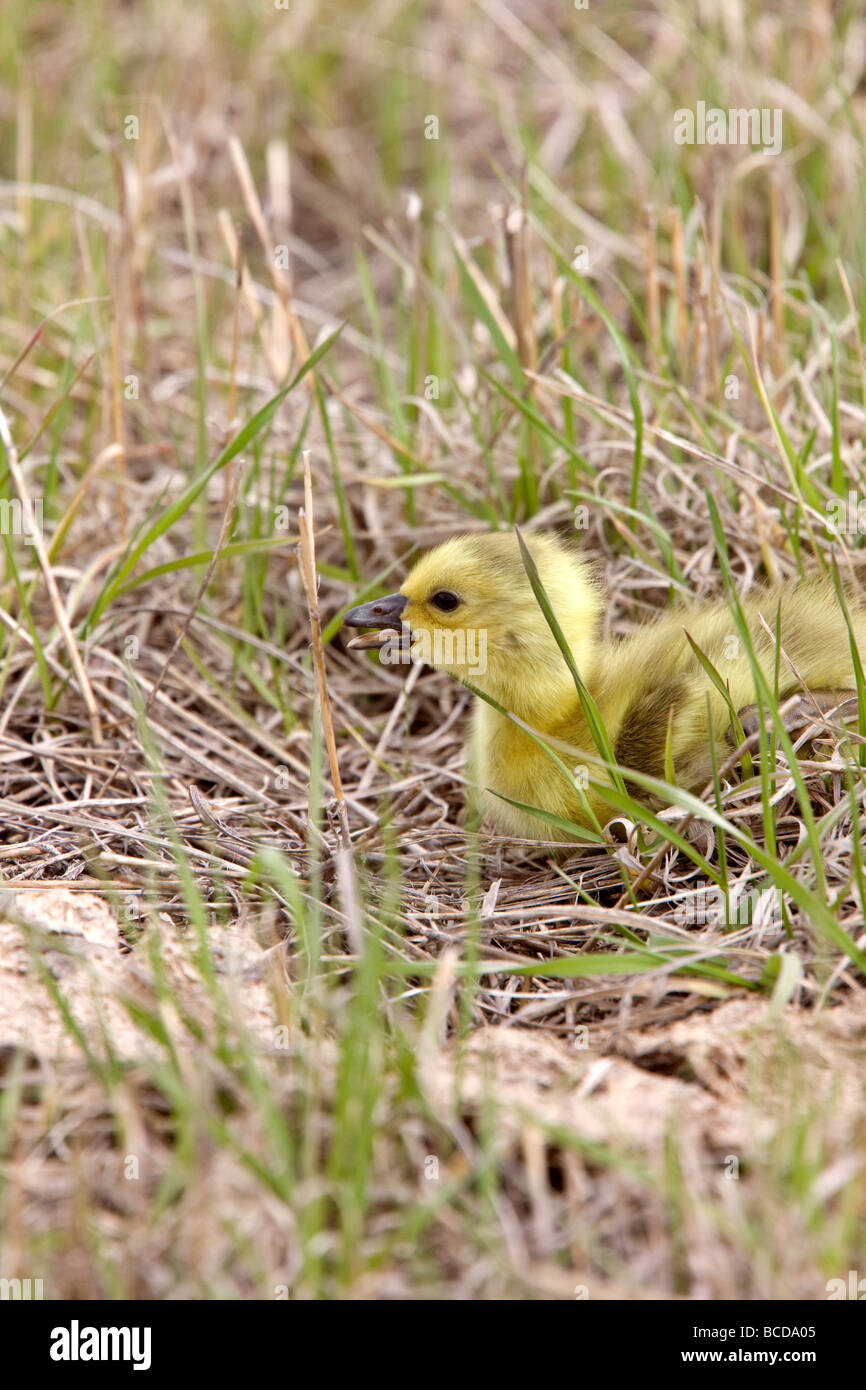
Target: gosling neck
541,692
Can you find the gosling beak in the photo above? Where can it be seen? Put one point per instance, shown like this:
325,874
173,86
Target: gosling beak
379,614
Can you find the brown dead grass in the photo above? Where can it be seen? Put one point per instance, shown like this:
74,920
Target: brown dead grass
720,1083
583,1135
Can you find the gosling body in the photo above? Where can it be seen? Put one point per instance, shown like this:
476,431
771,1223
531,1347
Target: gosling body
651,690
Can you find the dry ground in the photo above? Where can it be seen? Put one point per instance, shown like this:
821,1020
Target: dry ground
235,1062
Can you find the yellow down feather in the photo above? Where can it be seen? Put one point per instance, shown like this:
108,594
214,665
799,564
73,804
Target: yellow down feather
649,687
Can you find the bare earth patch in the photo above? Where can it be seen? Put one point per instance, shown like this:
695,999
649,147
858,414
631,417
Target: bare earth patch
581,1136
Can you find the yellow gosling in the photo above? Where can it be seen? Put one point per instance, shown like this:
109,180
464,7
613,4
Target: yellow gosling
471,611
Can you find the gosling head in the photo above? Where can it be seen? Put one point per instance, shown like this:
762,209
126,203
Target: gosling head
467,608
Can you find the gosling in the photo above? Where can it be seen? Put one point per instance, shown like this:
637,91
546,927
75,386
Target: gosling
468,608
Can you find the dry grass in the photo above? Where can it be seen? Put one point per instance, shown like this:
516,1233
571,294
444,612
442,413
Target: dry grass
407,1075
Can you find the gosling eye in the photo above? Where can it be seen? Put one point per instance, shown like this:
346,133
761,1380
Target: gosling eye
445,601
